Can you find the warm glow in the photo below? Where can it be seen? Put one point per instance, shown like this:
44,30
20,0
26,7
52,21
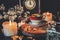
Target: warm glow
47,13
10,28
47,16
10,22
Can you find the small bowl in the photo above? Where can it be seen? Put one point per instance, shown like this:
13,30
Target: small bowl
35,18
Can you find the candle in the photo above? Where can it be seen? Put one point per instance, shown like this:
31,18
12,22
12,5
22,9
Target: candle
9,28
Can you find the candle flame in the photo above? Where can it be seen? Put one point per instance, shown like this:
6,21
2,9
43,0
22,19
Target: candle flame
47,13
10,22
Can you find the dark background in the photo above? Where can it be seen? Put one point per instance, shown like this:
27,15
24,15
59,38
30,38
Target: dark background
46,5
